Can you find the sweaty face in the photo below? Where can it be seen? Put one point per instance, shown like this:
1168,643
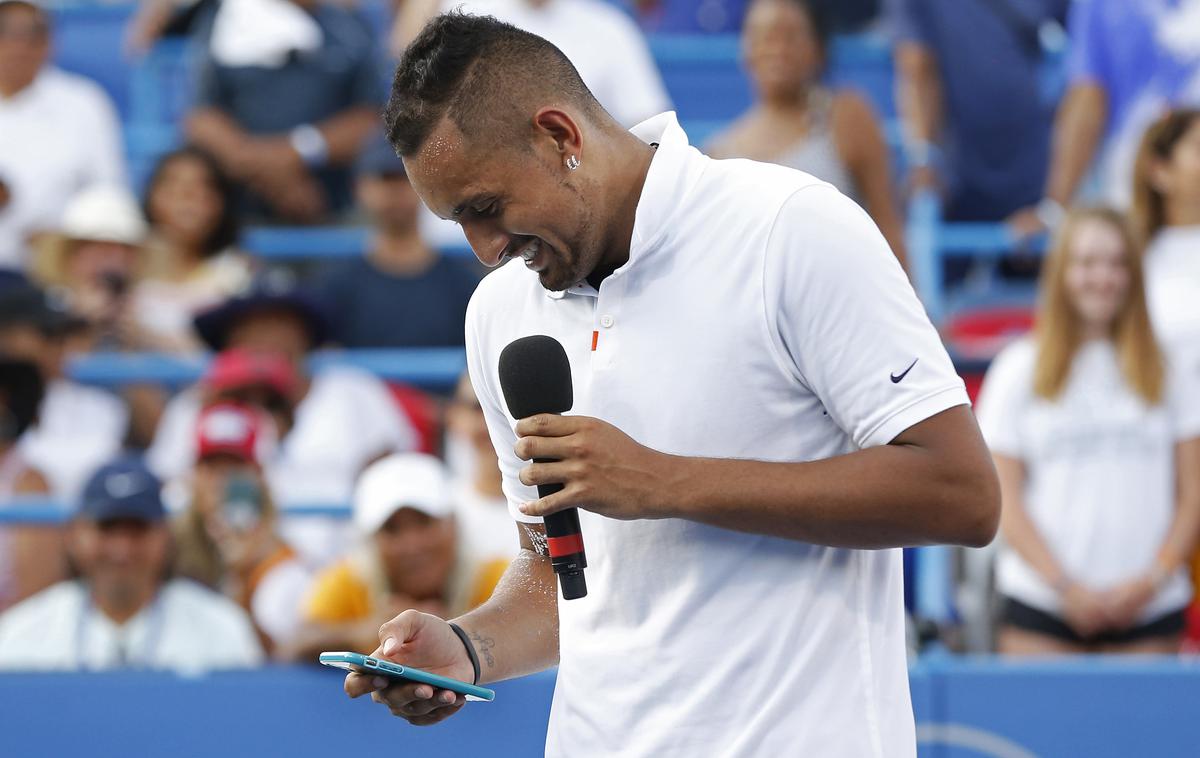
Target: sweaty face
1097,274
511,203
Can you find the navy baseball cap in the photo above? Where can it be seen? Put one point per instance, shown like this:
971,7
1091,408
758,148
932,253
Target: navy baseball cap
378,158
123,489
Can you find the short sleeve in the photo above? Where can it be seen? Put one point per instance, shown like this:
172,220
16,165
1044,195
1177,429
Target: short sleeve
1006,390
485,381
1087,47
108,146
1183,400
846,322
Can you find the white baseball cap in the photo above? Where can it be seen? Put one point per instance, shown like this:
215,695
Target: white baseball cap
104,213
404,480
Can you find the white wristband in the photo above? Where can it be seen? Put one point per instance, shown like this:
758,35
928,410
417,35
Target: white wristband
310,144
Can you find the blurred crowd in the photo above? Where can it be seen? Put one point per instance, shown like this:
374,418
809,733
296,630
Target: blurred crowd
201,533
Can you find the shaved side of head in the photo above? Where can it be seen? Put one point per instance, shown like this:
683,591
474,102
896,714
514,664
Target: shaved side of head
485,76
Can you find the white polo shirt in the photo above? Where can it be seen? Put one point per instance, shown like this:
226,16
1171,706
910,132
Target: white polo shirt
58,136
761,315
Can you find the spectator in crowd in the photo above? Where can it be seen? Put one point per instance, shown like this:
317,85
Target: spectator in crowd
288,93
970,90
1166,213
96,261
1129,61
482,508
123,611
402,293
60,132
192,262
604,44
1097,443
411,558
31,558
227,537
342,418
799,123
77,427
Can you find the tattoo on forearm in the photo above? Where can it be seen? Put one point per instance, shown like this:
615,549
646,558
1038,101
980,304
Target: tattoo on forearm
538,538
483,647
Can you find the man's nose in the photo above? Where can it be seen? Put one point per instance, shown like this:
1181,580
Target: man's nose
488,242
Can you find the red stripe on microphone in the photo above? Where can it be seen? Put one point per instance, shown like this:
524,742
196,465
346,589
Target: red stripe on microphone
566,545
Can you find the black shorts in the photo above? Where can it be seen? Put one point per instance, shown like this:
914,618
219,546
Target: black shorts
1031,619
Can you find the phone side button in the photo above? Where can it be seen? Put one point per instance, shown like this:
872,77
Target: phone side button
371,662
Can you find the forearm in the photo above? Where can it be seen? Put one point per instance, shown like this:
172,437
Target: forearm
345,133
888,496
1018,528
218,134
1184,532
516,631
919,93
1078,128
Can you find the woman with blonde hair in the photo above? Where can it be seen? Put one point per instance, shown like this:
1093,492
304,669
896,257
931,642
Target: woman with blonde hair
1166,213
1097,444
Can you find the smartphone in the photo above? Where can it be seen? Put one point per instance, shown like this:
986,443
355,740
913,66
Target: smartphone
365,664
243,503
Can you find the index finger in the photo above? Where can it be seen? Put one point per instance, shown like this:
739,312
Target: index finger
547,425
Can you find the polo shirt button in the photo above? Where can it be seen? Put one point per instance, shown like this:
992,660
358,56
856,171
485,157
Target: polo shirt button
607,321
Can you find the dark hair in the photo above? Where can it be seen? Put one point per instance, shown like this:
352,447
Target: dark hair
228,226
479,72
819,18
1149,210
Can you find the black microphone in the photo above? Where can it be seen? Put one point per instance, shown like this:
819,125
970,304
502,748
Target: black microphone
535,377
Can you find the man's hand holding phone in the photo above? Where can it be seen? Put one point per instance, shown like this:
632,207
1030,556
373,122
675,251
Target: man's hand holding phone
425,642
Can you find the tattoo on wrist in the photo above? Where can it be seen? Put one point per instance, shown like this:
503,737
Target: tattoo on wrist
483,646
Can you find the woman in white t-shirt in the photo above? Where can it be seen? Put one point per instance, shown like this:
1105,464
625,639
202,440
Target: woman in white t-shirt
1097,442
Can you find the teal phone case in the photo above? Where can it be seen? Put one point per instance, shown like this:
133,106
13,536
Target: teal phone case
365,664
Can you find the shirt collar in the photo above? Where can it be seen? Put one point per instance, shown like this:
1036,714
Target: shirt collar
667,182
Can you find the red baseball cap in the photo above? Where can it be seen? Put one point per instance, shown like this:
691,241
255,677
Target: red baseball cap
235,369
229,429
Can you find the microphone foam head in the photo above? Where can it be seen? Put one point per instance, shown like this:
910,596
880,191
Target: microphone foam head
535,376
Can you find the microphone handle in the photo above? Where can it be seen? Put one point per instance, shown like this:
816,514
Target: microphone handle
565,541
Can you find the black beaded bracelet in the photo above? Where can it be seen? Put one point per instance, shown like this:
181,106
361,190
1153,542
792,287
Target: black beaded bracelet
466,641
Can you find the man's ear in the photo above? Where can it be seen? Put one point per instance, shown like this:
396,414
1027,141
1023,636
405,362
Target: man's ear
561,131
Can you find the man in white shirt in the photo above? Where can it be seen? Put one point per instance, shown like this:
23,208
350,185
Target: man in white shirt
121,613
60,132
796,419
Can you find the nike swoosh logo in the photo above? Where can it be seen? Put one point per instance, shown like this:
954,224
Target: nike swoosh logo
897,378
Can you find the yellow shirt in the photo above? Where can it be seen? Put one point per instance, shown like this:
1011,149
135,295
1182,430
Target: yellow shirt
343,592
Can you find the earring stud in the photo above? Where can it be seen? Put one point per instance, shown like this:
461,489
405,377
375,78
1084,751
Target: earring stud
572,163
